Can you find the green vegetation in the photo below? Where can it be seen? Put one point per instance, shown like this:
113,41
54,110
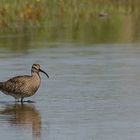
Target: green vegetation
88,21
17,13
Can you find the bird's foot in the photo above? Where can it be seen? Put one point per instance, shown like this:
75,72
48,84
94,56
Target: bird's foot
29,101
24,101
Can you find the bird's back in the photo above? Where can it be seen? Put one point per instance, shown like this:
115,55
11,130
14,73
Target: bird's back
20,86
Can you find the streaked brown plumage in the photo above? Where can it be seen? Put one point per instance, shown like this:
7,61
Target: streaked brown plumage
23,86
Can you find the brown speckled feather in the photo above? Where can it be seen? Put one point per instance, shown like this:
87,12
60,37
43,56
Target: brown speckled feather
23,86
14,85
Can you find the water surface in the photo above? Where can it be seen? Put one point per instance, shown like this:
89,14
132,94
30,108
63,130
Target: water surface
92,94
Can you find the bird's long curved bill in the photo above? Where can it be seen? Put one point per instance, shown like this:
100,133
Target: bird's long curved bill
44,72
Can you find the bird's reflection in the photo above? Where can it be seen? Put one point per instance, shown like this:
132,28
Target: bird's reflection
22,115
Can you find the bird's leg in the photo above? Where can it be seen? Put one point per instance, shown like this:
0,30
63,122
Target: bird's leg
22,100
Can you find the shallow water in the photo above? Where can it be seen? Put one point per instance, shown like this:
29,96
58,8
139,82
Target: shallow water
93,93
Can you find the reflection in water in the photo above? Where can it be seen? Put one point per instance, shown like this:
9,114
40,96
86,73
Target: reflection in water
22,115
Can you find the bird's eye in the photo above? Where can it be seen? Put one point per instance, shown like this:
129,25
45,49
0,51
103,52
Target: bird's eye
34,67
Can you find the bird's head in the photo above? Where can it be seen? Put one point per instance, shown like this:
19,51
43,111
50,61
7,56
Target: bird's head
36,68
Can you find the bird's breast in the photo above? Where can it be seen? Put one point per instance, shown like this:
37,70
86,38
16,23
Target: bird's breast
34,83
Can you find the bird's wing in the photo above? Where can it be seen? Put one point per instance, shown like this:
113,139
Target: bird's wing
14,85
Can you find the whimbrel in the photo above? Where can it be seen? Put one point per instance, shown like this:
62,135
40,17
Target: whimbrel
23,86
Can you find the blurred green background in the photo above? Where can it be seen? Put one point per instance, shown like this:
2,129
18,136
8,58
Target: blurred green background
77,21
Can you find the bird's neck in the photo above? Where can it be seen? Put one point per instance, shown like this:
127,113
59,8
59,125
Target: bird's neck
35,74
